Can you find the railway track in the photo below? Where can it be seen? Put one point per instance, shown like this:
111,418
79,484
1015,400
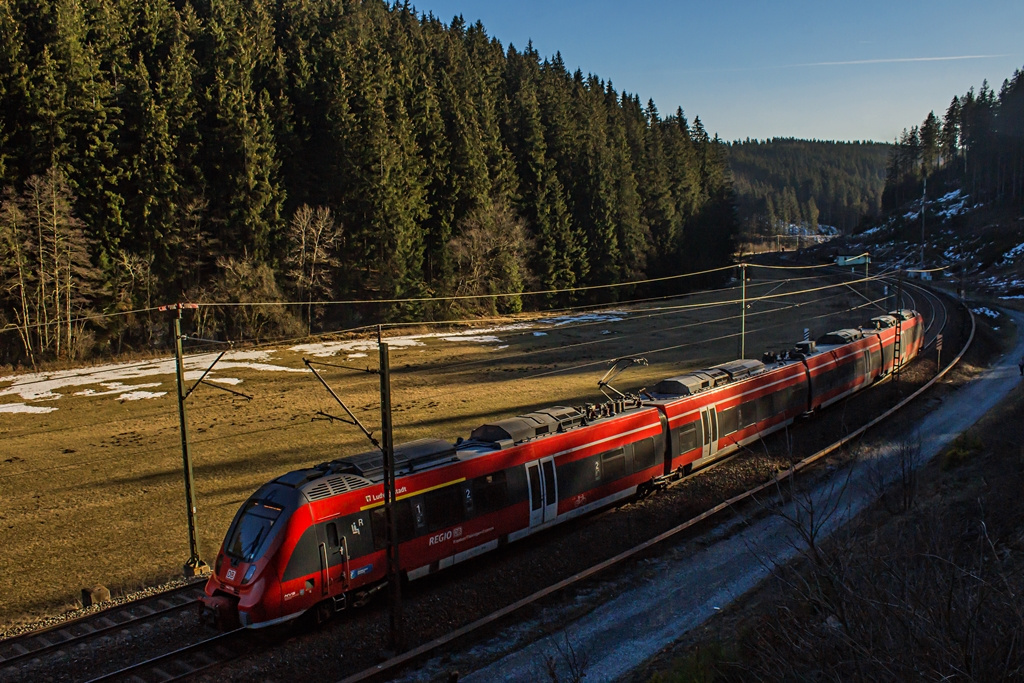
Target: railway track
186,661
189,660
69,635
387,669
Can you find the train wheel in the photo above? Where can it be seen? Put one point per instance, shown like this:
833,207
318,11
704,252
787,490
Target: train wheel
323,612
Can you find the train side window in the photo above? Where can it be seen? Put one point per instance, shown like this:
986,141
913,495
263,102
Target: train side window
403,519
378,528
687,437
332,535
444,507
765,407
613,465
748,413
643,454
490,492
728,421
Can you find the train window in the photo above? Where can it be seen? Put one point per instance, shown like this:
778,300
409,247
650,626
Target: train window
748,413
535,494
444,507
728,421
687,437
332,535
252,531
643,455
765,407
404,522
707,429
490,492
613,465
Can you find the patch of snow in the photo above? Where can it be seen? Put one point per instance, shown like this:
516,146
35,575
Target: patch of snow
45,385
478,339
224,380
985,311
540,334
499,348
610,316
327,349
23,408
1014,253
949,196
357,355
115,388
912,215
1014,296
140,395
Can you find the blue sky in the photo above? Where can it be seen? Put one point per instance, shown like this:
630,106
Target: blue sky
826,70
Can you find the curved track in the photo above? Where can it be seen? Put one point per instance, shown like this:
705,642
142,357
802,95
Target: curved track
386,669
187,660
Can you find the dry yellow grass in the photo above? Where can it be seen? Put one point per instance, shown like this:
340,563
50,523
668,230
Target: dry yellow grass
92,493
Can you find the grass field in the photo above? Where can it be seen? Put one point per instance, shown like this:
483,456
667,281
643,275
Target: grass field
92,492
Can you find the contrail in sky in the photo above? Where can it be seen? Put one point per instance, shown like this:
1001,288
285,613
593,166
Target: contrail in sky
896,60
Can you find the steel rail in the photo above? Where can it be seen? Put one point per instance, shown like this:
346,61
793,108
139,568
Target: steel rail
204,650
774,482
40,642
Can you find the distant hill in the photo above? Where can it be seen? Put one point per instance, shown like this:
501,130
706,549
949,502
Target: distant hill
785,181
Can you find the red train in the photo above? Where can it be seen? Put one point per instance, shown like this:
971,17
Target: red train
313,539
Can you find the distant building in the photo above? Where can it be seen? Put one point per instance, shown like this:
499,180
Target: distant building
858,260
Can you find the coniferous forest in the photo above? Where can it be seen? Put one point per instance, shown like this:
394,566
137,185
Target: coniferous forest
782,182
247,151
977,146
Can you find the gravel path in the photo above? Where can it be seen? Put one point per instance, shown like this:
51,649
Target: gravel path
686,586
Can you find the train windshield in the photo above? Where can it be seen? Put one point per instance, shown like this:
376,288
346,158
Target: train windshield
252,531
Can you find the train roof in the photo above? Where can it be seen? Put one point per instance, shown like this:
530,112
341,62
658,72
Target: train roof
709,378
357,471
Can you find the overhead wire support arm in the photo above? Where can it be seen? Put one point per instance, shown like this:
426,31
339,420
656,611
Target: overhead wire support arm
618,366
355,421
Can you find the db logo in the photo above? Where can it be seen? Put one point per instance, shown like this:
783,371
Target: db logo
231,574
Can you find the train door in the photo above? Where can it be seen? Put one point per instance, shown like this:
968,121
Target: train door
334,569
709,424
542,489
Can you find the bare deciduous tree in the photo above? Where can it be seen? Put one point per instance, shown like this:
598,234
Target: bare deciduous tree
313,237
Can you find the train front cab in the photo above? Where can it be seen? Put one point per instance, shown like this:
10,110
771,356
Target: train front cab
243,588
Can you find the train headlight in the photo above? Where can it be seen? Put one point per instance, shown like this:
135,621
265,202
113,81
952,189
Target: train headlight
249,573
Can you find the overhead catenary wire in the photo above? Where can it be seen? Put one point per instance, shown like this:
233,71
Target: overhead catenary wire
674,347
682,307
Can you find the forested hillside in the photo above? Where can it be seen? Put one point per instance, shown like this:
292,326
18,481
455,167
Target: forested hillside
303,150
977,146
783,182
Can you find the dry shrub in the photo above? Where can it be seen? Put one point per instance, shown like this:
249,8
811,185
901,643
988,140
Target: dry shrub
965,448
939,596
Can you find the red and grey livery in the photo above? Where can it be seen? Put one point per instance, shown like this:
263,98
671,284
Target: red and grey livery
313,539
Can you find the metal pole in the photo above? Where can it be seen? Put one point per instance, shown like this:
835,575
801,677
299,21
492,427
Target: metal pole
389,496
194,566
743,311
924,199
